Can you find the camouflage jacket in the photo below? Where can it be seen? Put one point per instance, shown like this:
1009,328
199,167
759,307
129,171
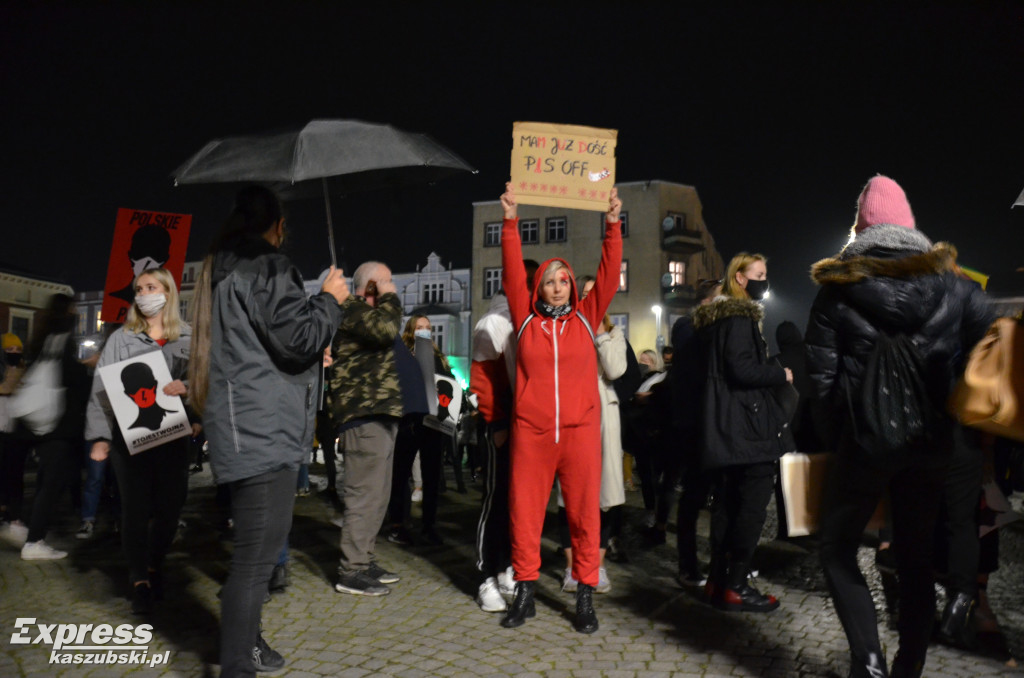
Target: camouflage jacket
363,377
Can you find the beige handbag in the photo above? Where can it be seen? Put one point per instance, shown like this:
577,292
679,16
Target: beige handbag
990,395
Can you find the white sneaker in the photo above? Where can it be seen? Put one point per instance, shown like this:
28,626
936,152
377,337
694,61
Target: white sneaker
507,584
87,529
568,583
40,550
604,585
14,533
417,495
488,598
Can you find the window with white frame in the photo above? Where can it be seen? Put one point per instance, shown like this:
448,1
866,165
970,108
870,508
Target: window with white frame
433,293
529,231
556,229
492,234
620,320
492,282
624,276
437,334
677,269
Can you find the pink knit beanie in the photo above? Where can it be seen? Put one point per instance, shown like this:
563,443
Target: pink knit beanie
883,202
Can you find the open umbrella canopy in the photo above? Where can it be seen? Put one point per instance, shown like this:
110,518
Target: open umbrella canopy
350,154
324,157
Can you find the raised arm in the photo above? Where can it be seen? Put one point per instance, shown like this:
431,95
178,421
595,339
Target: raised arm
513,273
607,283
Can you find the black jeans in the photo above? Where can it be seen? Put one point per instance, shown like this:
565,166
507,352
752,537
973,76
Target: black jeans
59,461
13,453
957,543
494,550
153,485
413,436
261,507
737,517
853,493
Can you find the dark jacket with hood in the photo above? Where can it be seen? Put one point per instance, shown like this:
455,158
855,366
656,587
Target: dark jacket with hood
742,422
267,341
792,354
556,361
890,280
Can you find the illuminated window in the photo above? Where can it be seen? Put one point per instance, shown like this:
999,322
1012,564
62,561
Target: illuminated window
624,276
677,269
621,320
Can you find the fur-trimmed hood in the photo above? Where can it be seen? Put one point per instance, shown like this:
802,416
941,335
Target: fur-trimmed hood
726,307
841,270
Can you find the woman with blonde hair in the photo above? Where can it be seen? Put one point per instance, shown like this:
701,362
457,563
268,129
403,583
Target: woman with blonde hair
742,429
153,483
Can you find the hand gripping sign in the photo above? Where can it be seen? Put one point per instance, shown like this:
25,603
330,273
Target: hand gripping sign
146,416
563,165
142,240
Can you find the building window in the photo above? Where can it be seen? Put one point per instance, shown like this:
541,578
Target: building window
433,293
492,234
492,282
624,219
438,336
624,276
677,269
679,220
620,320
556,229
529,231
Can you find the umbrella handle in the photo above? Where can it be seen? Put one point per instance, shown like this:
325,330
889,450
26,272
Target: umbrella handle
330,224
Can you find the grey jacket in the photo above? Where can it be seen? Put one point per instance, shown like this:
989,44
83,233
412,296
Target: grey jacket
267,339
99,417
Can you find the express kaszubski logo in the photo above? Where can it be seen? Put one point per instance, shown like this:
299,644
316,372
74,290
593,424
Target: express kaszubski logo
91,643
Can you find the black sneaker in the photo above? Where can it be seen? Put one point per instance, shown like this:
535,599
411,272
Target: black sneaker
360,583
400,536
278,579
264,658
382,575
142,599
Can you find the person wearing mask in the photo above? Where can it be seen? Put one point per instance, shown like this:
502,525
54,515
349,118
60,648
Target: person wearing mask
414,436
650,431
556,426
255,378
611,364
742,427
153,483
15,444
58,451
888,284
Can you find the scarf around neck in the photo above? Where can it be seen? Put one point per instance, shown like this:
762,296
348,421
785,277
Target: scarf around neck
550,311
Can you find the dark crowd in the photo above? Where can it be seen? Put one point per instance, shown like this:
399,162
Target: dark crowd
559,402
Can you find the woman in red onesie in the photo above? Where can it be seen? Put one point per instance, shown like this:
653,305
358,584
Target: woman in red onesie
556,424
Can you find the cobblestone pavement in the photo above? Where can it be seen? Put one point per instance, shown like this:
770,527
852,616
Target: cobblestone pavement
429,624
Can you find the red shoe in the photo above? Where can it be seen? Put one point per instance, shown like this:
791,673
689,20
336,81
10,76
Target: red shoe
745,599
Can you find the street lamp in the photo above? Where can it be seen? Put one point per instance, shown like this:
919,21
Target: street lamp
659,341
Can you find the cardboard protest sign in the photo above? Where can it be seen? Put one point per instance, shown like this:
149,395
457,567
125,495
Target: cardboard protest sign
142,240
146,416
563,165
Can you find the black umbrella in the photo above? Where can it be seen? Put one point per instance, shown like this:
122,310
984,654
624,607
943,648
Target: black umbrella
325,156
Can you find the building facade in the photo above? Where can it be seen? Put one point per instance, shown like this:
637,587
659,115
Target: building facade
23,295
666,250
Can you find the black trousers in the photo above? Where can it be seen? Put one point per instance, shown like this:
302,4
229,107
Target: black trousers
414,437
958,546
153,485
261,507
13,453
697,485
737,517
915,485
59,461
494,550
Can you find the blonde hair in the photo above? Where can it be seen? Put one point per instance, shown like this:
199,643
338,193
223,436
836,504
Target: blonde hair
739,263
658,362
136,321
409,337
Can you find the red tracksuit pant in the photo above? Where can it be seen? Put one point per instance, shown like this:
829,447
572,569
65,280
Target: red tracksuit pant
535,460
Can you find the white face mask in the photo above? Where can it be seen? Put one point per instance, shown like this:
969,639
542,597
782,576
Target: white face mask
424,334
150,304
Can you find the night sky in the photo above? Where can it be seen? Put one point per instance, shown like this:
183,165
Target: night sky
776,113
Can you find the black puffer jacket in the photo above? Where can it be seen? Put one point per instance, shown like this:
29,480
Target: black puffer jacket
742,422
891,280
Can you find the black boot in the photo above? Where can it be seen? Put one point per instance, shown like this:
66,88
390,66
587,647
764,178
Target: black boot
522,605
957,625
902,668
740,596
586,618
873,666
278,579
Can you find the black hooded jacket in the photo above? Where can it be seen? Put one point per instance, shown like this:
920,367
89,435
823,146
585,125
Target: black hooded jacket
742,423
890,280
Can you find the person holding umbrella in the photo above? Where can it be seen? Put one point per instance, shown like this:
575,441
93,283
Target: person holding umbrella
254,376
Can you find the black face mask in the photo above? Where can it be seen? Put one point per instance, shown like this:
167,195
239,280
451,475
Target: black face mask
757,289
